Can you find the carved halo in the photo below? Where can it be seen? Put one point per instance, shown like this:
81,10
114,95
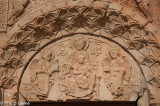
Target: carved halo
113,49
79,37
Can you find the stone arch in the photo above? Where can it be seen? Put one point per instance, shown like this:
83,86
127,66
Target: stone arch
118,23
120,48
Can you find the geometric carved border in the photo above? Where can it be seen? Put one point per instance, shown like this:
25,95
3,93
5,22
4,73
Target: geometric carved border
29,36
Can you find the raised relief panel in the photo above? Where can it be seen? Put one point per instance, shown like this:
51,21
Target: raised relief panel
81,67
117,70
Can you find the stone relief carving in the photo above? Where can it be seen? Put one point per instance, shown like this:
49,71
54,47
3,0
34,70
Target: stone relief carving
40,77
16,8
143,6
96,48
32,38
154,77
43,76
148,8
116,69
79,74
35,4
81,80
154,8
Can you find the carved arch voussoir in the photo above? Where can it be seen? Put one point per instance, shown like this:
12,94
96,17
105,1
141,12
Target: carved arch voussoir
55,21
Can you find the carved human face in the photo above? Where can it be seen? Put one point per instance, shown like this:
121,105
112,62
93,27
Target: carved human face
81,59
80,43
47,56
113,53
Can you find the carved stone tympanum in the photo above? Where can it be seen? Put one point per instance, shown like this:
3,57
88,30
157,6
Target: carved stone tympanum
94,50
74,71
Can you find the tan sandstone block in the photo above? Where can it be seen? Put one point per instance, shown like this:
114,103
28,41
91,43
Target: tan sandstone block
115,6
99,4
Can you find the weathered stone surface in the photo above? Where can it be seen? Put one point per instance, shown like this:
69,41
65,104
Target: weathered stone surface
81,67
80,50
3,15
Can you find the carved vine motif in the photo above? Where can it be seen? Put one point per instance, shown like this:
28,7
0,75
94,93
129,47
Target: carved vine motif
68,20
